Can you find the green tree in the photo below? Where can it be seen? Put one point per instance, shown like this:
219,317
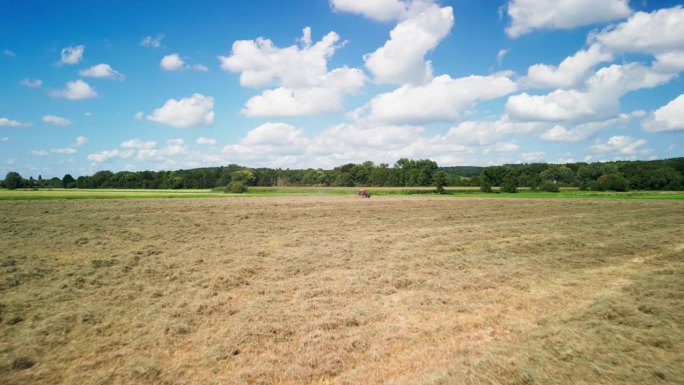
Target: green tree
558,173
439,180
236,187
612,182
510,183
13,180
245,176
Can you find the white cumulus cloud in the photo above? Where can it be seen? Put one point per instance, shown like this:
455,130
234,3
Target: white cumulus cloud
196,110
72,54
381,10
274,134
305,86
529,15
106,155
401,59
598,100
261,63
656,32
205,141
584,131
442,99
75,90
172,62
622,145
101,71
570,73
56,120
139,144
327,97
669,117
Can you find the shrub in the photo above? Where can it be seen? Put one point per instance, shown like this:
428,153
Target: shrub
612,182
549,186
485,186
509,184
236,188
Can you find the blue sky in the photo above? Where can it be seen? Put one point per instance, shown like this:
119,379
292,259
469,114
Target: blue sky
87,86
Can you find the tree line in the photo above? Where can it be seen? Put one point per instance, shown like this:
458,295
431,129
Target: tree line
665,174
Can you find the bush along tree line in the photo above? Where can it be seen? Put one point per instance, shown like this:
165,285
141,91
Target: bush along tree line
665,174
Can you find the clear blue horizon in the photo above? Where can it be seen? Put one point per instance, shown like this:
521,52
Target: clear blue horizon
316,83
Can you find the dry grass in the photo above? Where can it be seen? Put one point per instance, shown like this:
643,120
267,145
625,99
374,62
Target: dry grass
340,290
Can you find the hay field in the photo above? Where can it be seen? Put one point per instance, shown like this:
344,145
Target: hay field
342,290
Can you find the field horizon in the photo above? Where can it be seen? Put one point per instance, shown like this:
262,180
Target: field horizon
258,191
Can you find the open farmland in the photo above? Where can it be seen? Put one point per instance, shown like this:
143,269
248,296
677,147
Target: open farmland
342,290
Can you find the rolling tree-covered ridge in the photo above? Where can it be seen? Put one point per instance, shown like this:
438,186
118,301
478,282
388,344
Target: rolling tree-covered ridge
667,174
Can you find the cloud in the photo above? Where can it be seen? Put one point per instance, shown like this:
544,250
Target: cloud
80,141
570,73
305,86
174,154
11,123
584,131
402,59
4,139
442,99
672,62
500,56
139,115
39,153
64,151
269,141
274,134
653,33
154,42
261,63
669,117
31,83
536,156
502,147
380,10
104,71
106,155
598,101
205,141
187,112
9,53
327,97
172,62
76,90
139,144
56,120
529,15
487,132
72,55
622,145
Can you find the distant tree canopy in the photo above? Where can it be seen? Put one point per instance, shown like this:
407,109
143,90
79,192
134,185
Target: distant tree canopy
13,181
665,174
